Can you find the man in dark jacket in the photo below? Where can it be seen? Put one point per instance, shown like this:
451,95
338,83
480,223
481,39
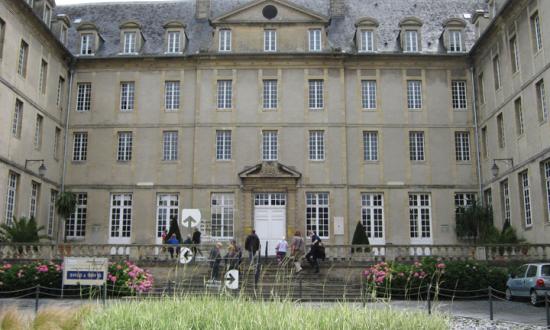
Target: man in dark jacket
314,253
196,241
252,244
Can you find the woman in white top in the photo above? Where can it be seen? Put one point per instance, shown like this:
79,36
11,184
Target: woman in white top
281,249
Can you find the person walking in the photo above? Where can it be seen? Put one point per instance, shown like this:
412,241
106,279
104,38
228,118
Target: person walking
252,244
215,259
297,250
196,238
314,253
231,258
173,241
281,249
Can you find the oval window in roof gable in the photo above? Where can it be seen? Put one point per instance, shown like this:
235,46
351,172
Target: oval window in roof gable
269,11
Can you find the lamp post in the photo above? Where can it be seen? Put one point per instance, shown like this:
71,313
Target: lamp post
41,170
495,168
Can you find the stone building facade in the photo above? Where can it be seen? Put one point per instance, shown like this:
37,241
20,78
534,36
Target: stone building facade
284,115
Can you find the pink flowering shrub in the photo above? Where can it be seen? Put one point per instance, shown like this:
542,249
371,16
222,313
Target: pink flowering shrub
398,277
126,277
123,278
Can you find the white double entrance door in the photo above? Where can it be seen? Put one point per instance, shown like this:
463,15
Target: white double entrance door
270,219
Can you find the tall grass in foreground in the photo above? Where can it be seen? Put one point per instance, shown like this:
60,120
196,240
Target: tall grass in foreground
219,313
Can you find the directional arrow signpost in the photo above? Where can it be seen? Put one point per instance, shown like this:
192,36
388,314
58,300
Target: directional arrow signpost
185,255
231,279
191,217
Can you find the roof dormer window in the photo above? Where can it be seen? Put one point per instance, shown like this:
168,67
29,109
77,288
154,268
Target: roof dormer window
87,44
225,40
455,41
367,41
47,16
453,35
410,35
366,35
175,37
130,43
315,40
63,35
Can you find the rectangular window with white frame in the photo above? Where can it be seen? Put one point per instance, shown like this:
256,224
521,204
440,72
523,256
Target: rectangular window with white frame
171,95
455,41
514,53
270,145
80,146
414,94
411,41
546,171
51,213
167,208
11,197
458,91
519,117
225,40
225,94
173,42
500,127
127,91
83,96
23,58
38,132
270,40
17,123
368,94
315,40
536,31
505,200
316,97
43,80
60,93
317,213
488,198
170,145
420,216
124,150
75,226
270,94
496,72
222,206
462,146
86,44
317,145
542,105
370,146
121,216
463,201
416,146
372,216
33,201
525,198
367,41
223,145
130,43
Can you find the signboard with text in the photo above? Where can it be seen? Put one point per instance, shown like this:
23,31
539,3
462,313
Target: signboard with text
84,271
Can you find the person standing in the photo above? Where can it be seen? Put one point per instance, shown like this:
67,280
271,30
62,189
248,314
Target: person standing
173,241
281,249
297,250
215,260
313,255
196,238
252,244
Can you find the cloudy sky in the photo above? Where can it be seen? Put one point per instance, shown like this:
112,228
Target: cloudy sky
70,2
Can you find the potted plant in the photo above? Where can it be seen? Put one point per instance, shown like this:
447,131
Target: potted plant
360,238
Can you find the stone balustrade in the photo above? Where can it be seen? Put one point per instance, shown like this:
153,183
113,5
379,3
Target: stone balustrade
355,253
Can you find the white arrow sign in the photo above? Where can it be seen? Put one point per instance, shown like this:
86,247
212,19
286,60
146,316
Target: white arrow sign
185,255
231,279
191,217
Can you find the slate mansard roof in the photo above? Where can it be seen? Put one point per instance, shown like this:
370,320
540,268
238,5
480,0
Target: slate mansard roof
341,31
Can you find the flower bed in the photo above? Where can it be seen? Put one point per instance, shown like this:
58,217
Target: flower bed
450,278
124,278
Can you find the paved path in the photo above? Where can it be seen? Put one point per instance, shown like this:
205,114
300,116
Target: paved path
518,312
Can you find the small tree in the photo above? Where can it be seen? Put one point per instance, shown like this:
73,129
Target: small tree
359,236
475,222
65,206
21,230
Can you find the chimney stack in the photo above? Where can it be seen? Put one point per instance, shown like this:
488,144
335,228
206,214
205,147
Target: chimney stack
202,9
337,8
